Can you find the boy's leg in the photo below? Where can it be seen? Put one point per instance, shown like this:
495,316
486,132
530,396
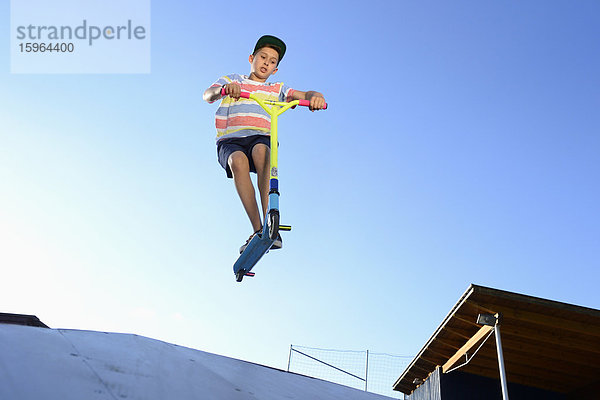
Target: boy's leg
240,168
261,156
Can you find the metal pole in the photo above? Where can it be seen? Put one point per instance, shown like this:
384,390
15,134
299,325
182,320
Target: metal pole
289,358
367,370
501,361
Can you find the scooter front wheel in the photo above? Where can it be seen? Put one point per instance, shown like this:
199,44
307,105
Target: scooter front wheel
273,224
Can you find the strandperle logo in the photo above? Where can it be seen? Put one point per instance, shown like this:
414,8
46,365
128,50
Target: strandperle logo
85,31
80,36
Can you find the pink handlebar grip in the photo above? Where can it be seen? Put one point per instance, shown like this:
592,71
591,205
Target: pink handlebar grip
306,103
245,95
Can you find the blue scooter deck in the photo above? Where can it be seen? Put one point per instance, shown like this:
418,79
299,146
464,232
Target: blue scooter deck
257,248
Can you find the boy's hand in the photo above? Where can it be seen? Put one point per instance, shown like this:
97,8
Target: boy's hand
233,90
317,102
316,99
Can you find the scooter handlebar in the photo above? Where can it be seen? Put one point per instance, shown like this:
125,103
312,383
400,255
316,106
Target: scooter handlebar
246,95
306,103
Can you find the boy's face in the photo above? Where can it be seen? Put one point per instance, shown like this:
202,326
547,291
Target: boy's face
263,64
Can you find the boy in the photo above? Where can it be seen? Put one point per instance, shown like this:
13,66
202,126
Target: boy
243,127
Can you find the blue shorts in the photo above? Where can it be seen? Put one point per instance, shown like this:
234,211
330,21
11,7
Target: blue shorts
226,147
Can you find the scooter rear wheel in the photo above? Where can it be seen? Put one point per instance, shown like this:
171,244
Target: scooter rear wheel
240,275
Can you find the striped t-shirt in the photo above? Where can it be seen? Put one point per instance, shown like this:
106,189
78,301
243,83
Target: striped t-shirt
245,117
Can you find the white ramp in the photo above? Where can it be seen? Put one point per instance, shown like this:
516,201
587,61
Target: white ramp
56,364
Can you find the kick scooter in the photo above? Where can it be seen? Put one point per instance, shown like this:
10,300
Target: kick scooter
261,243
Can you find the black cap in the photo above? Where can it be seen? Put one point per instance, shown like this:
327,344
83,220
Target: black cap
268,40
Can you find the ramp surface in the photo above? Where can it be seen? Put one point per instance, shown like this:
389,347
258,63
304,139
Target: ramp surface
57,364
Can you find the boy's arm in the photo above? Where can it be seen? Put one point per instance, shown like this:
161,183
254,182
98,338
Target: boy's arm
317,101
212,94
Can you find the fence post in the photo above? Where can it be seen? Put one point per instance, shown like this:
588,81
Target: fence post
367,370
289,358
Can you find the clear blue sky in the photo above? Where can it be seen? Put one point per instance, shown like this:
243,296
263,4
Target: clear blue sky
461,146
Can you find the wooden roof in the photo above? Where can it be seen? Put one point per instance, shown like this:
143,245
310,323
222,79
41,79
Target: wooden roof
546,344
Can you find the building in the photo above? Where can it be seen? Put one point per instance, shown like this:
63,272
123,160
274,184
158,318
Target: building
551,350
